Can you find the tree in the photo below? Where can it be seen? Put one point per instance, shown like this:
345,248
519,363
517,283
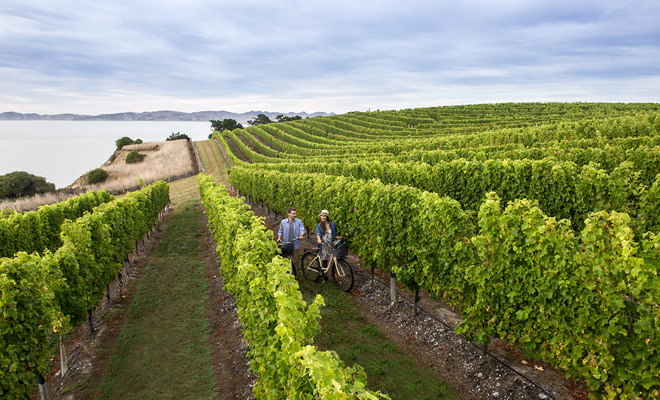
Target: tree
177,136
20,184
261,119
227,124
282,118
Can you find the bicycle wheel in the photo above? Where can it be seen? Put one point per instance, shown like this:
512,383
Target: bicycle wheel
311,268
342,274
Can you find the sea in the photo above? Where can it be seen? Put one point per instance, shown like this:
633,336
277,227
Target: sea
62,151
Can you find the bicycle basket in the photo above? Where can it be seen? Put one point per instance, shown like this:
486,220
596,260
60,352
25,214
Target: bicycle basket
286,249
341,249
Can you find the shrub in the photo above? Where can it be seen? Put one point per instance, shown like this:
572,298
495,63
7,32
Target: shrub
134,157
177,136
97,175
125,141
20,184
138,141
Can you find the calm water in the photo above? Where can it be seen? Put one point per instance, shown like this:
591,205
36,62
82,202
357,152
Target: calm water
61,151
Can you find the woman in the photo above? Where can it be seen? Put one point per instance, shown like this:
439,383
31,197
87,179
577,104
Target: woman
326,233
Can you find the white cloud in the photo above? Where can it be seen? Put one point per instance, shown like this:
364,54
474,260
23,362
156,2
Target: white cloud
82,57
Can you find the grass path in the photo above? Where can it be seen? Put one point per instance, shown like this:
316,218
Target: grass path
389,369
212,160
184,189
162,351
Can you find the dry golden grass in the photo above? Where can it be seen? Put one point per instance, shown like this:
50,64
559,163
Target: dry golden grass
149,146
33,203
164,160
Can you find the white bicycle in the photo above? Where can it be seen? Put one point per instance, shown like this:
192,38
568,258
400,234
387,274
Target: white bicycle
342,273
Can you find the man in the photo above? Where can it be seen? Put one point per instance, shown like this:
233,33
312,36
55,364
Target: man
292,229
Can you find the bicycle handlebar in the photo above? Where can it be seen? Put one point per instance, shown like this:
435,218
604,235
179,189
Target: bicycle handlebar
336,238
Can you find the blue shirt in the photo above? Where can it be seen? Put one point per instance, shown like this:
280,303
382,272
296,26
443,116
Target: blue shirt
298,229
333,231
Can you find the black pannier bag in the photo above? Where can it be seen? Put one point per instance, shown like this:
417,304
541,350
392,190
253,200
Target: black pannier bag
286,249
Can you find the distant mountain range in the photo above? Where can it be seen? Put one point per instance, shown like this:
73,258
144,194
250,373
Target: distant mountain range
164,115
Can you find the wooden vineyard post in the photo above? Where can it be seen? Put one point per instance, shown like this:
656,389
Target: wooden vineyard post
127,263
90,321
63,360
43,390
119,276
392,288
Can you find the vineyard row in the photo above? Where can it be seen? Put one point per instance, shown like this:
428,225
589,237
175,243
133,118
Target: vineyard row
588,302
47,293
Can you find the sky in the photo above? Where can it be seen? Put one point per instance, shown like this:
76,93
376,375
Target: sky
75,56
